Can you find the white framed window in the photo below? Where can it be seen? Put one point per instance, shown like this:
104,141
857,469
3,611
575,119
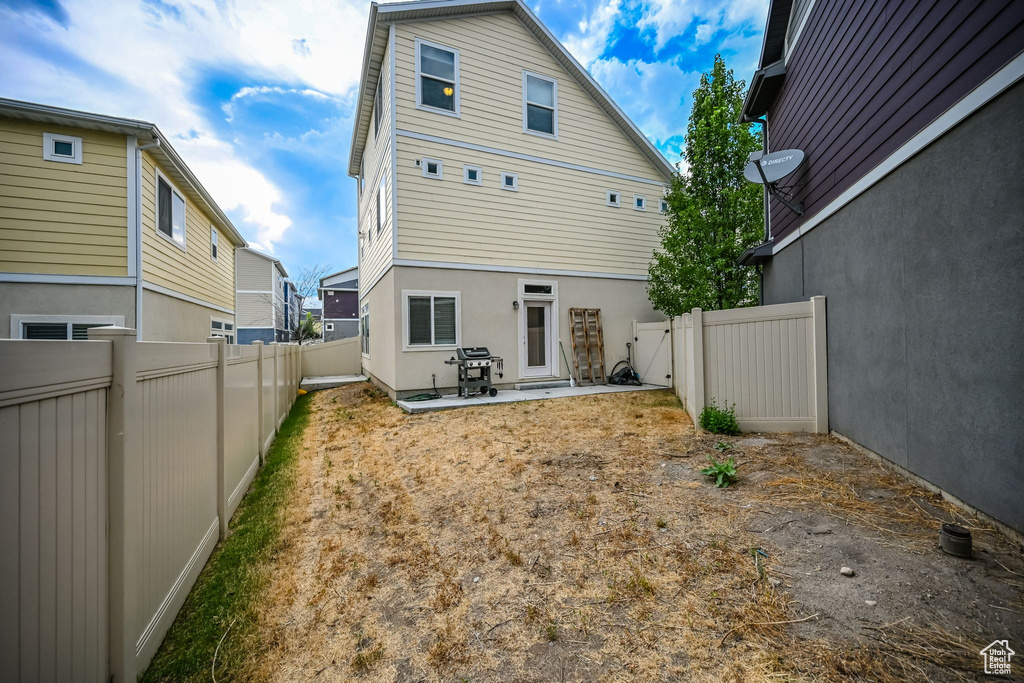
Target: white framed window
170,211
509,181
664,206
437,78
540,105
472,175
362,175
613,198
329,327
382,196
639,202
378,107
223,328
67,149
34,326
213,243
364,329
433,168
430,320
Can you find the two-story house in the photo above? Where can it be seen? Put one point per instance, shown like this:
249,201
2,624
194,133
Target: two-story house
340,295
499,186
101,222
262,289
912,225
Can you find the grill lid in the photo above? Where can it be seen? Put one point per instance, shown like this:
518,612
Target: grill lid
473,352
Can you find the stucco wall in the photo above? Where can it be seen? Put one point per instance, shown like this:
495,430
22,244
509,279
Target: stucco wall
17,298
925,285
343,329
165,318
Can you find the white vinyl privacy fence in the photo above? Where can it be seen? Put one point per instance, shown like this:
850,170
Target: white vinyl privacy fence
122,462
330,359
768,361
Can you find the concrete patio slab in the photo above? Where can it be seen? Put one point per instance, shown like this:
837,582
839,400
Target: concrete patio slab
514,395
317,383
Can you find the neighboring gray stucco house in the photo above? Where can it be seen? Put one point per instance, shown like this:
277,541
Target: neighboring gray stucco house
260,291
340,294
912,226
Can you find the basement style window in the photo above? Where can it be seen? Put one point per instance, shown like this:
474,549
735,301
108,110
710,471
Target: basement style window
509,181
472,175
213,243
74,327
431,318
613,198
432,168
66,149
540,104
639,202
437,78
170,211
222,328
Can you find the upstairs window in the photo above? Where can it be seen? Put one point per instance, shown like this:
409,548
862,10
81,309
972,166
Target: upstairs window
66,149
509,181
170,212
433,168
381,199
437,78
540,104
213,243
378,106
613,198
472,175
639,202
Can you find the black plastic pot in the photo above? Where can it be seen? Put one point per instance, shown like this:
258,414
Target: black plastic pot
955,540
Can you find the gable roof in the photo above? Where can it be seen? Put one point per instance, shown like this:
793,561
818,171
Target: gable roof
340,272
147,133
382,15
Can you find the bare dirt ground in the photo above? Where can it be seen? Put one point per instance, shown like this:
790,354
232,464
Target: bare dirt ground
575,540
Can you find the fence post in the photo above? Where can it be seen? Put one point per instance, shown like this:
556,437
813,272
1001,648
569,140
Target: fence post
222,369
259,398
697,320
123,423
820,365
277,389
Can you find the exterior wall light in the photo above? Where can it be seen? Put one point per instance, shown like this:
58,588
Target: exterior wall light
515,305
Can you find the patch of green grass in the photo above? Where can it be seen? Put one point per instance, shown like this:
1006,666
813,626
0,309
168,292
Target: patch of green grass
229,589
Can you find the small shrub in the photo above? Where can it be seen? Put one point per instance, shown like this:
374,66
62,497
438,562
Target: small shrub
724,473
719,420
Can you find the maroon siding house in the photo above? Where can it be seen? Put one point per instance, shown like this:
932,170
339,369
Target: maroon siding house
912,195
340,294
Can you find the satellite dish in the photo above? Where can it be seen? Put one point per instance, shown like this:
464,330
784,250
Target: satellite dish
773,167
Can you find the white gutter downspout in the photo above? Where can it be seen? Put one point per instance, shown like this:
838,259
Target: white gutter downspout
138,234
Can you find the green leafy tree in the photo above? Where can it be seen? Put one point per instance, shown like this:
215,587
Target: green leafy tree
714,214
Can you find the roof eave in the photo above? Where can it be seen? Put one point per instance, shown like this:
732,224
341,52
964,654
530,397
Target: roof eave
764,88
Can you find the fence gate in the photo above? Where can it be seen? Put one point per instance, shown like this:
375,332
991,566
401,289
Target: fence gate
652,352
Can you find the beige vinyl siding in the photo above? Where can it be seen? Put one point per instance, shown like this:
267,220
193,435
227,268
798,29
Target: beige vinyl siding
377,255
253,272
68,219
190,271
493,52
557,220
253,310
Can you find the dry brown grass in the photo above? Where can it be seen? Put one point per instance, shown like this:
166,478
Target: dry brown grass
531,542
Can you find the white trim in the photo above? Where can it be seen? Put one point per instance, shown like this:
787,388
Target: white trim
47,279
50,155
440,168
419,94
133,193
406,293
466,168
411,263
214,243
526,157
184,297
156,210
642,206
662,206
608,201
514,187
554,360
554,123
17,319
329,327
394,147
970,103
224,332
254,291
787,45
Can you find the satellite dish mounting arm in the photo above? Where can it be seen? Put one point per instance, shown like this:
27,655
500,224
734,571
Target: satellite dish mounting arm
798,209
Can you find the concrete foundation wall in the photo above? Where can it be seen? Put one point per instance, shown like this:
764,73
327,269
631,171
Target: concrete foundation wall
165,318
924,275
489,319
18,298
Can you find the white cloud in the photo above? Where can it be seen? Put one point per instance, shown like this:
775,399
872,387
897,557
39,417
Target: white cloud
144,64
593,32
671,18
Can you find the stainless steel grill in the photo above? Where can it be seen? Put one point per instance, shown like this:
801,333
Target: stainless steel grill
475,364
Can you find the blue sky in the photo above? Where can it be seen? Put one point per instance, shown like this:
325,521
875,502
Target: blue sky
258,95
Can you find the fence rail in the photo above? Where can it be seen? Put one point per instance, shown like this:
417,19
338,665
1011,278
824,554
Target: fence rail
122,462
768,361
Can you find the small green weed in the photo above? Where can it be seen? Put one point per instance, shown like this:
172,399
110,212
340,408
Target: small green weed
724,473
722,447
719,420
662,523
